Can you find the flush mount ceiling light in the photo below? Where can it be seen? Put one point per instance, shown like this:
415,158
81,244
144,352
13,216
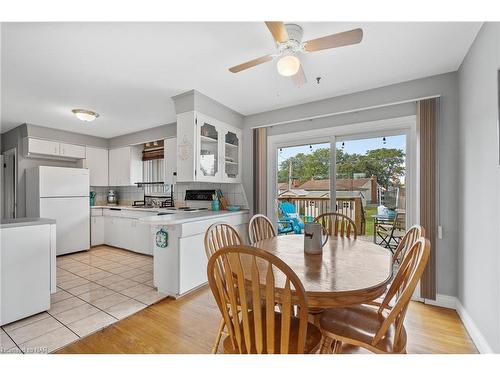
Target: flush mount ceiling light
85,114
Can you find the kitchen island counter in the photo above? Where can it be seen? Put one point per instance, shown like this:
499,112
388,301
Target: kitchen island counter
25,222
180,262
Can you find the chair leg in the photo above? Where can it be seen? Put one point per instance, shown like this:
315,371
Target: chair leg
326,348
337,348
222,324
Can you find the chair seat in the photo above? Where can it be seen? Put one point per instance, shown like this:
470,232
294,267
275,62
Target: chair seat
358,325
313,337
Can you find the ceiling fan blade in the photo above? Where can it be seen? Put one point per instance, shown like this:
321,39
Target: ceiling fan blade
250,64
300,78
278,30
335,40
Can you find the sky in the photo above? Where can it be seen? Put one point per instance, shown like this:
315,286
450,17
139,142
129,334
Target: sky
358,146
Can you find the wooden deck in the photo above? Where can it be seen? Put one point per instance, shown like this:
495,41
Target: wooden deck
188,325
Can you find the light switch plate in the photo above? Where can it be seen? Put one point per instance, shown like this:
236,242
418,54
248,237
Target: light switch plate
440,232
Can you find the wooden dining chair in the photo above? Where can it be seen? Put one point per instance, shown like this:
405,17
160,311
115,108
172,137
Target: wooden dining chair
217,236
260,228
255,326
337,225
379,330
409,238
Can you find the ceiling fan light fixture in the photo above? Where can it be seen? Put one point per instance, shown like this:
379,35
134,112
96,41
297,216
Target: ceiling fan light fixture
288,65
85,114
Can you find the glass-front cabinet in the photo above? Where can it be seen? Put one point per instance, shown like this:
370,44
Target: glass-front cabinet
232,156
207,149
208,157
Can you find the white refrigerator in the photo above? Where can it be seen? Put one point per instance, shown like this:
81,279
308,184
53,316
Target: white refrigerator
61,194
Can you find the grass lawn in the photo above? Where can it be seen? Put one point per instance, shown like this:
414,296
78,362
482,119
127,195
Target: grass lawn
369,211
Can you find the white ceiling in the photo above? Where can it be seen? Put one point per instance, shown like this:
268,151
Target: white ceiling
128,71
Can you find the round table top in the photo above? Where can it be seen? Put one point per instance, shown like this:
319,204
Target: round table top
348,271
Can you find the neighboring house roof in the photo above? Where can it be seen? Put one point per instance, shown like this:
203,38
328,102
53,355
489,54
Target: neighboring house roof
342,184
283,186
294,193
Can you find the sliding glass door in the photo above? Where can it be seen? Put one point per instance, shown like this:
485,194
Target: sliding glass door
303,185
370,185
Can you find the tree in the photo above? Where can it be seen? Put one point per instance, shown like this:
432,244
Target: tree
385,163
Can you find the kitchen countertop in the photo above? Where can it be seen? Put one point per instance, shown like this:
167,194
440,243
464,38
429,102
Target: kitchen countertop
148,209
185,217
25,222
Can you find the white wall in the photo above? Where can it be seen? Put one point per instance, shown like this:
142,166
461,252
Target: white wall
345,106
479,185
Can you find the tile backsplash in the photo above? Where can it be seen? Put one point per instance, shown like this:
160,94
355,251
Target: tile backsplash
234,193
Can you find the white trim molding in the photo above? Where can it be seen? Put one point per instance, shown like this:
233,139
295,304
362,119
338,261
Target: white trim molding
454,303
442,300
477,337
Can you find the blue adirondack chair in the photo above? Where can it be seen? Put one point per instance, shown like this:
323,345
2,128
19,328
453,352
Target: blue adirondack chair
289,214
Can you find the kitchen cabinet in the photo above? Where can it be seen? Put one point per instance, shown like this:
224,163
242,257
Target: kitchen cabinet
68,150
170,158
125,166
122,228
96,227
96,160
207,149
231,170
27,268
42,148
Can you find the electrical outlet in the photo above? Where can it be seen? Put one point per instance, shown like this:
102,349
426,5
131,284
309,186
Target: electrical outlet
440,232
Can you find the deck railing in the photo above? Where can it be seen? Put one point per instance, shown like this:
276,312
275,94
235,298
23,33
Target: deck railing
309,208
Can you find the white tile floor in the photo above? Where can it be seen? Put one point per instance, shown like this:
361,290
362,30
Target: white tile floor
94,289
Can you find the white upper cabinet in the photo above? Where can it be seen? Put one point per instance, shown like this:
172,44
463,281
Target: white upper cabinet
170,157
231,171
68,150
42,148
96,161
125,166
207,149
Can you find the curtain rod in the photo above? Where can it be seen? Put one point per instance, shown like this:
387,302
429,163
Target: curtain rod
347,111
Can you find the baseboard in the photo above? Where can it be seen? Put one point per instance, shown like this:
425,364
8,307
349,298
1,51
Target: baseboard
474,332
451,302
443,300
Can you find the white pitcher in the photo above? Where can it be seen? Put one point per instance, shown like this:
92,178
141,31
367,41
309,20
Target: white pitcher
313,243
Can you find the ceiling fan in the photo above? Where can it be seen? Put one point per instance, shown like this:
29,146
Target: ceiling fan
289,45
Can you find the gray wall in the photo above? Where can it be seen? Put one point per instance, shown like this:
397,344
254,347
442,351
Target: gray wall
146,135
444,85
14,138
194,100
479,184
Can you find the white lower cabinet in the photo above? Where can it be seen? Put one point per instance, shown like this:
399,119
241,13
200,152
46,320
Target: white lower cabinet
96,230
122,229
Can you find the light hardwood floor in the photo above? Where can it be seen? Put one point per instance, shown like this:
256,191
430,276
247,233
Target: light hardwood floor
189,325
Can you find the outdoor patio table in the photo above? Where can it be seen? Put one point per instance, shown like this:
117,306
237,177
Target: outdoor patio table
348,271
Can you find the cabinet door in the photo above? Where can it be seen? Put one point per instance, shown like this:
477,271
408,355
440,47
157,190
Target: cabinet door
97,162
142,237
72,151
42,147
209,140
231,171
96,230
170,155
119,166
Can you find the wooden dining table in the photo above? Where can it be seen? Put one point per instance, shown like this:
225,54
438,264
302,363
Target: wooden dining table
348,272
